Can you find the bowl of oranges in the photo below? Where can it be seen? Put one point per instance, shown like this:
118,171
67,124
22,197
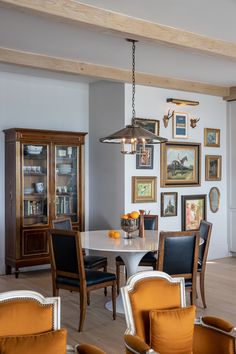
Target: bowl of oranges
130,223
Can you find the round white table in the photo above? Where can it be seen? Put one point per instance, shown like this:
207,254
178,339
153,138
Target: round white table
130,250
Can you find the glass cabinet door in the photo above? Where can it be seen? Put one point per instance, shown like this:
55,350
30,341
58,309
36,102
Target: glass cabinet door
35,184
66,181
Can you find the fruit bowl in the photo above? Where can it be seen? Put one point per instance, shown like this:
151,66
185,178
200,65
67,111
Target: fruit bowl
129,225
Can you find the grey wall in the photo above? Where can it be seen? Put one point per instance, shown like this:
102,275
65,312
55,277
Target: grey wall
106,163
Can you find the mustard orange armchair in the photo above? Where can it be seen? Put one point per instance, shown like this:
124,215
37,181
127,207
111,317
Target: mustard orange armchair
155,290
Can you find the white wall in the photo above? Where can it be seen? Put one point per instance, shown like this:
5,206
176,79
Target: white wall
151,103
31,99
106,163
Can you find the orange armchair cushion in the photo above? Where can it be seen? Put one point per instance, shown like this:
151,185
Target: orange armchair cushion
19,317
171,331
53,342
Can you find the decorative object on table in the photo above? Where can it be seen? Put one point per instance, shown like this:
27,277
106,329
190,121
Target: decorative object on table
169,204
167,117
193,211
213,167
144,160
211,137
152,125
180,164
144,189
193,122
130,223
180,125
133,134
141,223
214,199
181,102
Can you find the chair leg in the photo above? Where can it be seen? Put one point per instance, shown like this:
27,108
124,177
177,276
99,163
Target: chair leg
55,290
105,289
83,307
202,288
88,298
118,278
114,300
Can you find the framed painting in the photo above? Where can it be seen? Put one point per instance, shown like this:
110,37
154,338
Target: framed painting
143,189
169,204
180,125
213,167
145,161
211,137
214,199
152,125
180,164
193,211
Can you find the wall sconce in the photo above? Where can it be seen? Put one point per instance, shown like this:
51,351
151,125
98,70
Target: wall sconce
167,117
182,102
193,122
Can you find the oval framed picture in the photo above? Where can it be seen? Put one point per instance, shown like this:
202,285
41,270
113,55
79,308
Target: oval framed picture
214,199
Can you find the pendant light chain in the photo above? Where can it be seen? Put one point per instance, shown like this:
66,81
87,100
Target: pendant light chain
133,81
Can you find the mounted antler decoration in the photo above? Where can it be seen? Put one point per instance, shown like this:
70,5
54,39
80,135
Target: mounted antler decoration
167,117
193,122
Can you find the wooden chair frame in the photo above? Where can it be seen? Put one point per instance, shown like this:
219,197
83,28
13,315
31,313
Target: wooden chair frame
160,261
83,289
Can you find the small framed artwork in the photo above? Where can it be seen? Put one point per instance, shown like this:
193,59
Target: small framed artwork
152,125
213,167
169,204
180,125
211,137
145,161
180,164
143,189
193,211
214,199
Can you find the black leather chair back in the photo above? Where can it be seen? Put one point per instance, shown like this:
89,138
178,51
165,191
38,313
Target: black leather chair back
65,255
179,255
150,222
205,234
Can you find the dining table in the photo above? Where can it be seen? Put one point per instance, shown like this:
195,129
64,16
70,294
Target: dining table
131,250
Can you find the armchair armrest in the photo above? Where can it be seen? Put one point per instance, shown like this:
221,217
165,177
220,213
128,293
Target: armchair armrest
136,345
218,323
88,349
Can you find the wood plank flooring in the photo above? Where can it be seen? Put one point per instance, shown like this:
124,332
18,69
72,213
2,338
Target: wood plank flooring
99,327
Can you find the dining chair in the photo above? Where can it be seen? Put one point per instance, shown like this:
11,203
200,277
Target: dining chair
154,292
150,258
178,256
205,234
90,261
68,270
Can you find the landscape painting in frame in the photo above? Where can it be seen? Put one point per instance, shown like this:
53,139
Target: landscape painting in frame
169,202
152,125
180,125
212,137
180,164
193,211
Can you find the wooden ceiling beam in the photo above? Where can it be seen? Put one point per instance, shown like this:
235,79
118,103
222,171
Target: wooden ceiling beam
62,65
232,94
122,25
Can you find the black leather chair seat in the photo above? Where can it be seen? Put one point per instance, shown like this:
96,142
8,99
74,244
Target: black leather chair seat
188,283
93,261
93,277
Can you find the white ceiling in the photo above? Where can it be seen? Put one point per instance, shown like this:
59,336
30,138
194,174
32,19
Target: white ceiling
212,18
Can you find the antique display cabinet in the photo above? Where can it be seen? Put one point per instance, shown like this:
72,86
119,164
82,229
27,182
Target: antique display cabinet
44,180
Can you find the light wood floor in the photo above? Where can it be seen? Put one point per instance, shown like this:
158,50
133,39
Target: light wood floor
99,327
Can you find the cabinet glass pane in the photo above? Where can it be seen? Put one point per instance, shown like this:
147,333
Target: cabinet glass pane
35,184
66,182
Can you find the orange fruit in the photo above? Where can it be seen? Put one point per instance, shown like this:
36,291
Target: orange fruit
116,234
124,216
129,216
111,233
134,214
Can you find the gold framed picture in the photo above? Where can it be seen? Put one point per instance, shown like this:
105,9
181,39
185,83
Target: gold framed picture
211,137
180,164
213,167
169,204
193,211
144,189
152,125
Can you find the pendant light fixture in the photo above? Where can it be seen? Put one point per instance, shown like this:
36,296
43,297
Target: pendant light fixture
133,134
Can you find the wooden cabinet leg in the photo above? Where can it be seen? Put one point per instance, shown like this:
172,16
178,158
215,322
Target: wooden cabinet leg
7,269
17,273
